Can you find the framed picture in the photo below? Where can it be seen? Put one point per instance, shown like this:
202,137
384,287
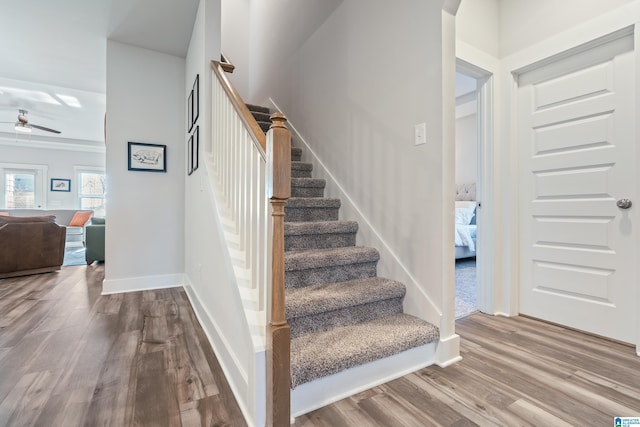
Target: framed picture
196,100
190,120
190,155
59,184
147,157
195,156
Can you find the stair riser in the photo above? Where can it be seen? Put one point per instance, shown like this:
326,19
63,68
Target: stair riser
296,157
319,241
340,273
311,214
346,316
261,117
297,173
307,192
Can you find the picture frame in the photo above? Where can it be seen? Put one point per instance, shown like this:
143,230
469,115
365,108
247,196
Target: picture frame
196,100
61,184
147,157
190,155
195,152
190,120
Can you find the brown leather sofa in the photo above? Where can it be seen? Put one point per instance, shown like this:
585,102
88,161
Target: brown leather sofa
30,245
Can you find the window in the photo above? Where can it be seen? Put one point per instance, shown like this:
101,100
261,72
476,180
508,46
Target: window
22,186
92,190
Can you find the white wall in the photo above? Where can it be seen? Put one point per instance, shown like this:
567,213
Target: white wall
145,210
524,23
466,147
60,163
478,23
209,276
235,42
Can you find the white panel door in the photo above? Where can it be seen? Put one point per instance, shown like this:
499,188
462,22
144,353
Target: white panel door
576,137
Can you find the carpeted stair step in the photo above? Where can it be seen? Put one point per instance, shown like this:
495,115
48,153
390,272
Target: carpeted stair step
318,355
316,267
307,187
301,170
307,209
296,154
321,307
319,235
264,125
261,117
258,108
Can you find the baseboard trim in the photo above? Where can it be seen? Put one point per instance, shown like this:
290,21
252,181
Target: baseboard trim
448,351
325,391
144,283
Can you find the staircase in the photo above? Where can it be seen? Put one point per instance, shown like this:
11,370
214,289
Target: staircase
341,313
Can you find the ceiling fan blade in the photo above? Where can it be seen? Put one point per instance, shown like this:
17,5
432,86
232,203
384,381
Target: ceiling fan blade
44,128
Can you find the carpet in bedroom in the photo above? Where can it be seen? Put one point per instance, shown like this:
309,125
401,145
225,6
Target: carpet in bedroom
466,294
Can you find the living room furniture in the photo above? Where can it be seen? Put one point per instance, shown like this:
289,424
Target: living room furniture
30,245
94,238
64,217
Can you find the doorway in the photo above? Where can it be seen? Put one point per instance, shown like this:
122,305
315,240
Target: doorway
473,146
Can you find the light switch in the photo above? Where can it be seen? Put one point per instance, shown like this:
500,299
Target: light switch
420,134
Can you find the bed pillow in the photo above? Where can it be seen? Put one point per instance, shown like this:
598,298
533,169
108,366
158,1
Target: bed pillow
465,211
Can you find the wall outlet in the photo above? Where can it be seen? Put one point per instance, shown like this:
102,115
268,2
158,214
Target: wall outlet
420,131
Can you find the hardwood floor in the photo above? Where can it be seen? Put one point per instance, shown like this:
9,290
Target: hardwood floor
70,357
515,372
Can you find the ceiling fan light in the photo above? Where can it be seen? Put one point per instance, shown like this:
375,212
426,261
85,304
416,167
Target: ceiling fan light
22,127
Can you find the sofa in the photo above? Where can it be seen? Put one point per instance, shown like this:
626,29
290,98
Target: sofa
75,233
30,245
94,238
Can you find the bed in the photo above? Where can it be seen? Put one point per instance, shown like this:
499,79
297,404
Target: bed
466,228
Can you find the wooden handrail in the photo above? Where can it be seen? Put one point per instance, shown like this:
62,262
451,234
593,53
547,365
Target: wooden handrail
278,331
226,65
258,137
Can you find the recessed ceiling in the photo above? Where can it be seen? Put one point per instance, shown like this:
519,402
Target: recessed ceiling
53,57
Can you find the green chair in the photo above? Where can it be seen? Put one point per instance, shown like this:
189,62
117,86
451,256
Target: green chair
94,238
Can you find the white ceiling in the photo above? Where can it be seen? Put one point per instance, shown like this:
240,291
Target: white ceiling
53,50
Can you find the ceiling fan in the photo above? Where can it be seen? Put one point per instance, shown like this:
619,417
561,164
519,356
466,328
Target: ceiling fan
23,125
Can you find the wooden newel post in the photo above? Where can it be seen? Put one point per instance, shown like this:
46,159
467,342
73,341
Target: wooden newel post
278,333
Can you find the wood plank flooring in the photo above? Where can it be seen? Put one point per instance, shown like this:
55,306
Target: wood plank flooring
70,357
515,372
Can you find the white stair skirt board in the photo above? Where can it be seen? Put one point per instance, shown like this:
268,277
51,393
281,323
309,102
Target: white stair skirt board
324,391
248,383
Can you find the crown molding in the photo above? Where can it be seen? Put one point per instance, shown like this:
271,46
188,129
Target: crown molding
12,140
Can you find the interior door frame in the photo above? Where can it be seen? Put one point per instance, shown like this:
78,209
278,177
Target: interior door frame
552,53
484,187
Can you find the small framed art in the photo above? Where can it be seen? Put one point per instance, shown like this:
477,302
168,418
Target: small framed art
59,184
147,157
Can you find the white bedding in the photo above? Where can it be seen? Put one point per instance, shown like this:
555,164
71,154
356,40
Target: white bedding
465,236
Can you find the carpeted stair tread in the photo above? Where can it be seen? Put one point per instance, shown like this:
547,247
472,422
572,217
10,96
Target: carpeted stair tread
319,235
313,202
334,296
261,117
264,125
326,353
257,108
319,227
305,260
308,182
302,166
307,187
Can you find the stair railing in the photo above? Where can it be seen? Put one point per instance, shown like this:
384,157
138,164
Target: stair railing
251,168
